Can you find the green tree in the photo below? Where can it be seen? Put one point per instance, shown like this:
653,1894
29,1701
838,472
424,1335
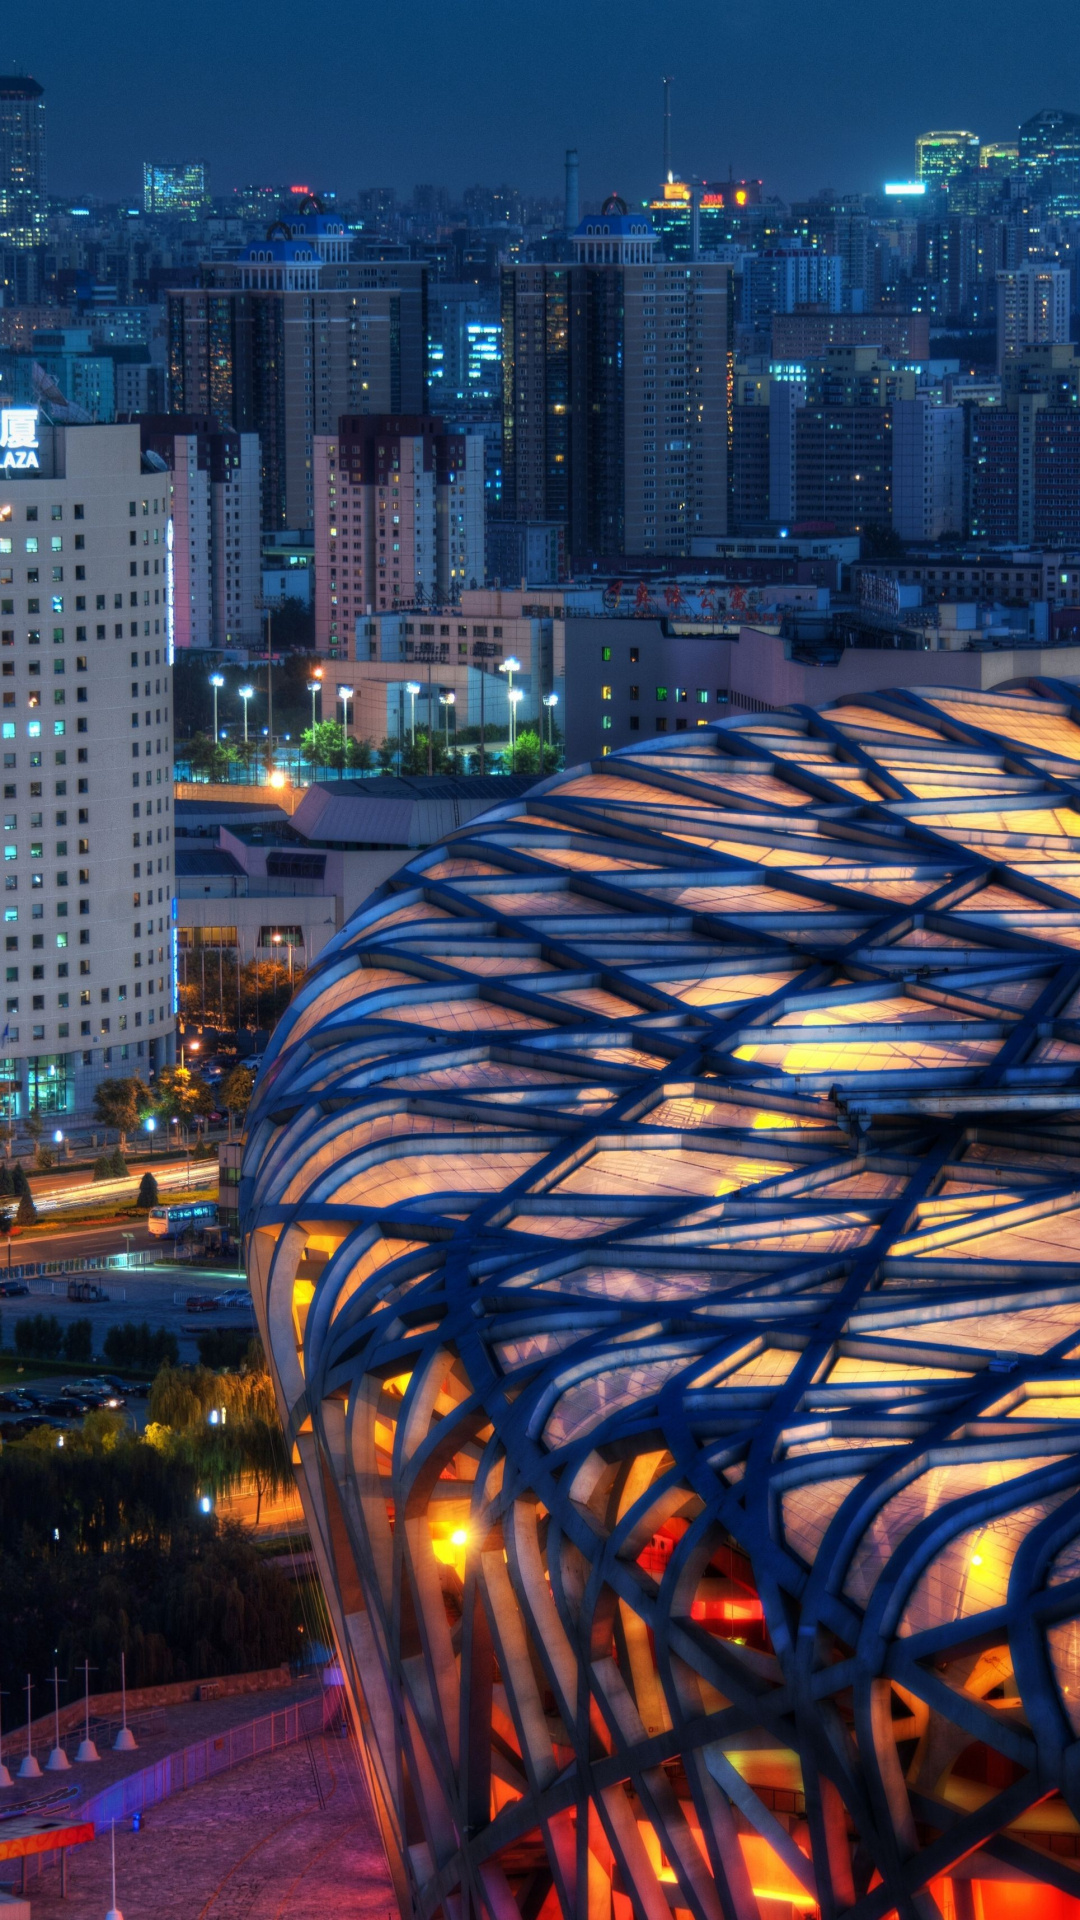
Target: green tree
222,1346
526,755
79,1340
132,1344
386,753
326,744
35,1125
248,1445
147,1195
103,1167
103,1551
361,756
181,1094
236,1093
121,1104
26,1212
40,1334
211,757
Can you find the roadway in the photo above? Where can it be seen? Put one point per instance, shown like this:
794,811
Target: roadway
58,1190
133,1295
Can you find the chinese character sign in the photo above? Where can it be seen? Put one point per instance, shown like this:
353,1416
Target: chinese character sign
19,440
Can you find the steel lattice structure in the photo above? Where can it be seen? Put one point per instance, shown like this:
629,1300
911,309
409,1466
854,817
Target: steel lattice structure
663,1214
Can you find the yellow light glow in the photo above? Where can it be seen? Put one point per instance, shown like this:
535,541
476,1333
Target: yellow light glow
976,1559
459,1537
277,779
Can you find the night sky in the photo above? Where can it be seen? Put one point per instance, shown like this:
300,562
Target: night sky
338,94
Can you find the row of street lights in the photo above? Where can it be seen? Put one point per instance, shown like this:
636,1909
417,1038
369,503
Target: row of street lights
447,699
314,687
217,681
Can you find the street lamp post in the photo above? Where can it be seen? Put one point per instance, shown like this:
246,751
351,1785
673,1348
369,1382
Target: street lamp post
314,688
515,696
246,694
217,681
345,694
510,666
269,604
551,701
412,688
151,1123
483,650
278,940
446,701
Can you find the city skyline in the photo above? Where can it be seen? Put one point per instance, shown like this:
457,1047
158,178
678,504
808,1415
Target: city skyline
497,96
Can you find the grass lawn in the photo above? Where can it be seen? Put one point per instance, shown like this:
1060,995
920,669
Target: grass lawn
23,1373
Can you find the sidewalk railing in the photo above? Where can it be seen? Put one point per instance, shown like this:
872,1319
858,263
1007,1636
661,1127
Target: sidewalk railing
216,1754
133,1262
58,1289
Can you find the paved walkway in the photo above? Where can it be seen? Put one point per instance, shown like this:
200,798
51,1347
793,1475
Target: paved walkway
185,1722
290,1834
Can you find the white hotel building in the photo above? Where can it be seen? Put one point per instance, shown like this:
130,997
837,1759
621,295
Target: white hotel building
86,717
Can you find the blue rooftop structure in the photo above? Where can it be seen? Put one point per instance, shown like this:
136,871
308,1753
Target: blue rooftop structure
614,236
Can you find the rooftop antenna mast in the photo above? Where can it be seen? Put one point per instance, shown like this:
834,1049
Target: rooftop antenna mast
668,175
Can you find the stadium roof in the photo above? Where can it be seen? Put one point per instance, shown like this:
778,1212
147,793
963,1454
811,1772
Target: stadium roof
663,1204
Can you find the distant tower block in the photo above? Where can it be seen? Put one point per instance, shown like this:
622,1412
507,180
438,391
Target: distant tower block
572,197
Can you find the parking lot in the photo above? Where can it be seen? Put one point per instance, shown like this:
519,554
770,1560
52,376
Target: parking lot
158,1295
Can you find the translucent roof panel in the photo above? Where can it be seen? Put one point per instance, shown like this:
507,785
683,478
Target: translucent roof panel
661,1202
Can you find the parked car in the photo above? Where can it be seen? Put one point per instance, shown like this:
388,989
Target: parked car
112,1383
200,1303
11,1289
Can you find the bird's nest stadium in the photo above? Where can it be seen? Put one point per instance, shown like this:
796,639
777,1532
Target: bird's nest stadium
662,1207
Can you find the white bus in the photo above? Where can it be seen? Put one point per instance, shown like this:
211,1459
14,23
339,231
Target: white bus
174,1220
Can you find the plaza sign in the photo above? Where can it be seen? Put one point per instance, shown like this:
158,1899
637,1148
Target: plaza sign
19,443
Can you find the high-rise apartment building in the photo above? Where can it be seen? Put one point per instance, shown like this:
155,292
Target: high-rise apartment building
927,469
940,156
1033,303
1024,455
86,726
399,520
23,207
464,351
287,338
615,379
814,441
179,188
216,550
783,279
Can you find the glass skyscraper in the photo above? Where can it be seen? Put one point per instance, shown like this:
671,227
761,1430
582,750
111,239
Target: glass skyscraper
22,161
